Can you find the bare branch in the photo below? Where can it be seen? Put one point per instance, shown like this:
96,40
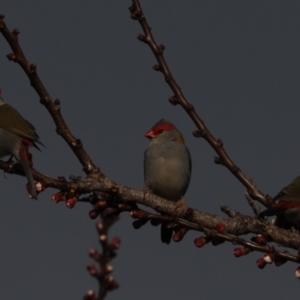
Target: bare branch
252,204
53,108
217,144
106,281
197,220
124,199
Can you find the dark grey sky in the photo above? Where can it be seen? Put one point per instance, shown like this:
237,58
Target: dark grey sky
236,61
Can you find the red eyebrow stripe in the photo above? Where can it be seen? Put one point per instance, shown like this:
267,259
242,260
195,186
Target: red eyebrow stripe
165,126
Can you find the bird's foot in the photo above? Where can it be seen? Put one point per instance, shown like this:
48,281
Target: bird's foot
180,208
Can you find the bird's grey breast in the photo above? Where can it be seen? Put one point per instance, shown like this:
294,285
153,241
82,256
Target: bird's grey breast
167,170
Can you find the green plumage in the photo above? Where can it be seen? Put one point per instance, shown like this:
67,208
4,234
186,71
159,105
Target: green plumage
293,189
16,123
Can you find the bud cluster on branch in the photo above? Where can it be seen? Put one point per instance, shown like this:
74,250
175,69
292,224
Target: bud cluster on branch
109,199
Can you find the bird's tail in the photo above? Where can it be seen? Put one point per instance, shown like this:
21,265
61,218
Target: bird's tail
166,233
26,166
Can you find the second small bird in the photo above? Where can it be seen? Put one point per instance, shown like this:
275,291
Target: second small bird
16,135
287,207
167,166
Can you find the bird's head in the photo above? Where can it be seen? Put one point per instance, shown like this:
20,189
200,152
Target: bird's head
164,131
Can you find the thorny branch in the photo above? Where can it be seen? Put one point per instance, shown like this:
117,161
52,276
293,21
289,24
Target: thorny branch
215,228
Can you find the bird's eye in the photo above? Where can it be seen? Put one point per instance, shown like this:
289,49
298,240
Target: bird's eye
160,131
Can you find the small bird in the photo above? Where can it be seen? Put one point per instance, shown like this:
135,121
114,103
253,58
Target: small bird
167,166
16,135
287,207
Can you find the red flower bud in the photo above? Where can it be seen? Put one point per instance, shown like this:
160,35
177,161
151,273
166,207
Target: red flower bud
100,205
111,283
58,197
40,186
108,269
138,214
93,271
297,272
238,252
103,238
200,241
90,295
100,226
259,239
178,236
94,254
261,263
71,202
221,228
115,243
94,214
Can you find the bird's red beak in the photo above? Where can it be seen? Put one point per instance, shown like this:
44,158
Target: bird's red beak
149,134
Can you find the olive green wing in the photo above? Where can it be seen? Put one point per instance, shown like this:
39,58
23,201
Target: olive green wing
15,123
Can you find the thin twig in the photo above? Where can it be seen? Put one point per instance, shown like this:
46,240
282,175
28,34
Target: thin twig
53,108
179,98
252,204
103,275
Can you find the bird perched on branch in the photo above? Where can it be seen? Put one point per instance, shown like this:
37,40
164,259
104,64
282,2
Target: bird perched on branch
287,207
16,136
167,166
